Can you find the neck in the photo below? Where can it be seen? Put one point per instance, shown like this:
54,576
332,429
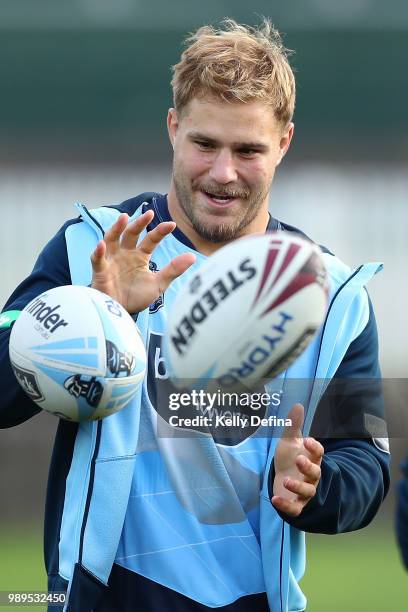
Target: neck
206,247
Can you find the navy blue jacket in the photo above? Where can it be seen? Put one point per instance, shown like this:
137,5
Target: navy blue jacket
355,470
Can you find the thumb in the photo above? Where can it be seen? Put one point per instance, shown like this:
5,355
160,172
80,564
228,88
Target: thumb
297,417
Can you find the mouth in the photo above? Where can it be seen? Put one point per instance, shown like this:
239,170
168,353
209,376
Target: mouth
218,200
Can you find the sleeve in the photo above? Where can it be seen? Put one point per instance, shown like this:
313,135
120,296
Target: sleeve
402,513
51,270
350,423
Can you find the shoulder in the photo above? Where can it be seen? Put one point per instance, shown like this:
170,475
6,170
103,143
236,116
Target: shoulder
285,227
131,205
82,238
104,216
338,271
92,223
347,286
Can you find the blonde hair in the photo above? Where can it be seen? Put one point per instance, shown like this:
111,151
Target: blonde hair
237,63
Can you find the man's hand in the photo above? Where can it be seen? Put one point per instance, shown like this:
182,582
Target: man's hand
297,467
121,265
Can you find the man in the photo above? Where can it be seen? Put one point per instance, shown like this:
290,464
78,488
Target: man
135,520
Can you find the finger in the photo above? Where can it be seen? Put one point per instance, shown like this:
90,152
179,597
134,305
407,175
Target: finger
293,508
113,234
98,259
153,238
133,230
314,448
296,416
310,470
174,269
302,489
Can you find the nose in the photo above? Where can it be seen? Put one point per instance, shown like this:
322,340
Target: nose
222,169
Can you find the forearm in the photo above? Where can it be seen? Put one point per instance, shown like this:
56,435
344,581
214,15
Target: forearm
354,481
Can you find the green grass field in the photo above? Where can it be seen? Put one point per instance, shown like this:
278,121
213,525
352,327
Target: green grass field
358,572
21,563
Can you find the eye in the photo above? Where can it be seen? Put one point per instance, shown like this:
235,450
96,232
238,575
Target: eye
204,145
248,152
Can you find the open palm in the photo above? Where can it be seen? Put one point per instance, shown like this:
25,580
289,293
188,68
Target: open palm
120,263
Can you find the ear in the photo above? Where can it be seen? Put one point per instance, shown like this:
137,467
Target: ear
172,125
286,139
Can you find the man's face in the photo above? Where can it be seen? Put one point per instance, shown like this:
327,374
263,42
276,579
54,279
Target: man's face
225,155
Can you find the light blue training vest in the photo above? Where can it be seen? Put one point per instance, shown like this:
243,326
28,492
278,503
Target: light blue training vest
188,513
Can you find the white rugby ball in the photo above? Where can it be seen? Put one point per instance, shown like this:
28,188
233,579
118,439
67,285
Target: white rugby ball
77,353
248,312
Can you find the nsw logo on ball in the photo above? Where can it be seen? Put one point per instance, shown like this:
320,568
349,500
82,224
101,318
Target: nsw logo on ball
119,362
29,383
82,386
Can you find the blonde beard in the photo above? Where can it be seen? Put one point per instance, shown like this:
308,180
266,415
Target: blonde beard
217,233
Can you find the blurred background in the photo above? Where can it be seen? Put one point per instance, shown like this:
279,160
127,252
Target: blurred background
84,92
